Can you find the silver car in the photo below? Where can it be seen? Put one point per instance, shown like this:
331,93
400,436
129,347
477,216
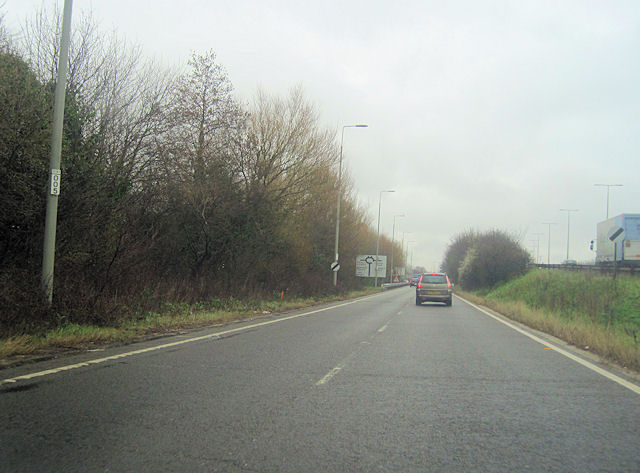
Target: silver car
434,287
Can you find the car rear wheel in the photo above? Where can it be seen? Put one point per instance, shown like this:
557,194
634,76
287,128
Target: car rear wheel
418,301
448,303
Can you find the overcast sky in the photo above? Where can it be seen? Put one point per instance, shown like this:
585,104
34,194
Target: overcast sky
481,114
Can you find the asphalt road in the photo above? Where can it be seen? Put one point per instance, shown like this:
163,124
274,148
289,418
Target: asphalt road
373,385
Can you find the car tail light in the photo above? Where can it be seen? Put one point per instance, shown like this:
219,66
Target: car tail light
448,283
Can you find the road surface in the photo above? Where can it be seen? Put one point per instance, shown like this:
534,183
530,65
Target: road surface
375,384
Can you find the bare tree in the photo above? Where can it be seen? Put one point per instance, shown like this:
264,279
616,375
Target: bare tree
123,95
4,34
287,145
196,175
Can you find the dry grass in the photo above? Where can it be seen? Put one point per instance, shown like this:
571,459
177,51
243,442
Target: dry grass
73,337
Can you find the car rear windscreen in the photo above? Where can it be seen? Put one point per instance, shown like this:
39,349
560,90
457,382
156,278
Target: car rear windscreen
434,279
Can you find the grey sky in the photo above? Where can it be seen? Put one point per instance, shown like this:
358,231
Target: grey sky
482,114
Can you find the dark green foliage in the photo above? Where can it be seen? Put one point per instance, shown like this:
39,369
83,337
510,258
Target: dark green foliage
24,139
491,258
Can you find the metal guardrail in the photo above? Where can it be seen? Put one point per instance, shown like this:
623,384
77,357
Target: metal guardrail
393,285
604,269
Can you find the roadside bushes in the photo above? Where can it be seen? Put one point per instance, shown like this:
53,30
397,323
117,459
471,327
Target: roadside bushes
482,260
173,190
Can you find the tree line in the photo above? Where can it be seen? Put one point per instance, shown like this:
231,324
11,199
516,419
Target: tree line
171,190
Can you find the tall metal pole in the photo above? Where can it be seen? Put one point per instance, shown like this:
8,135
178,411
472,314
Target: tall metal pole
49,246
568,221
405,256
549,241
410,265
335,273
608,186
378,239
537,235
393,236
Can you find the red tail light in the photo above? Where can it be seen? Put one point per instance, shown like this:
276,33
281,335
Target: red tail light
419,285
448,283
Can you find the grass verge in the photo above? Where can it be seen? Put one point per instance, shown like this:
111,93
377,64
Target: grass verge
590,312
172,319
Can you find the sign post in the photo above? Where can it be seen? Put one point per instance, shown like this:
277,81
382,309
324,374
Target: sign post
49,246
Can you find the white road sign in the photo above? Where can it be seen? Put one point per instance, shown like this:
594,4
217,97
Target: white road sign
55,181
365,266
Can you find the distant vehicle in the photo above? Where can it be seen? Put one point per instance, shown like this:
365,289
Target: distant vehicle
414,280
434,287
570,262
619,240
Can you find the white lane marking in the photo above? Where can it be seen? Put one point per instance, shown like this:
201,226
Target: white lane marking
344,362
622,382
173,344
330,375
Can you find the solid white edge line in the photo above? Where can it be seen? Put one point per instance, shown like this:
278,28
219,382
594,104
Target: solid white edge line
622,382
181,342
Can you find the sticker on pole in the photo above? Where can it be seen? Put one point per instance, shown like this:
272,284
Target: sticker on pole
335,266
55,181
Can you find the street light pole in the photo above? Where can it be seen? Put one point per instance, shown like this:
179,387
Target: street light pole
549,241
393,236
335,273
568,220
405,256
411,264
51,217
537,235
378,239
608,186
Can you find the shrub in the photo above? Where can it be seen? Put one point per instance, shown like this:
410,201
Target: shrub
492,258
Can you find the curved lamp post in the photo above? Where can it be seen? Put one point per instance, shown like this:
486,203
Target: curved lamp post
549,241
393,235
411,263
568,221
378,239
335,273
608,186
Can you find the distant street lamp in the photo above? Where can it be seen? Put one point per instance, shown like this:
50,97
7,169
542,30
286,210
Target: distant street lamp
378,239
405,256
568,220
393,235
537,235
608,186
411,264
549,241
335,273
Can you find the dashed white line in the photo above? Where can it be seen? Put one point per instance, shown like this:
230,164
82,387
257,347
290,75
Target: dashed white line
383,328
330,375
